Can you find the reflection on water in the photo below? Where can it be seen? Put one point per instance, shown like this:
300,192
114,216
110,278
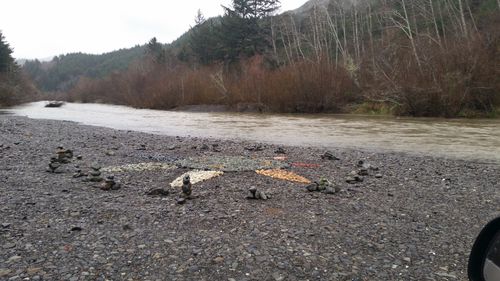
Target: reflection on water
457,138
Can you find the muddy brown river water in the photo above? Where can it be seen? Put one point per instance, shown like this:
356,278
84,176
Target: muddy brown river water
477,139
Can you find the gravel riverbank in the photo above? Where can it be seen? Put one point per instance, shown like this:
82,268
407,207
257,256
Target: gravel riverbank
417,222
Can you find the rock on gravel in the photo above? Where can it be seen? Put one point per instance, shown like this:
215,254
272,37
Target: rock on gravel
407,225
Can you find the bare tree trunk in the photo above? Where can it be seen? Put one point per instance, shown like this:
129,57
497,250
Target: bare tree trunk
273,39
442,22
315,40
434,20
410,35
288,52
462,17
407,29
370,33
218,80
472,17
452,13
414,17
297,37
356,34
182,91
344,29
334,30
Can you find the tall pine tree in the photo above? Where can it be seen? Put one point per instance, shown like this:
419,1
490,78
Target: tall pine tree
241,32
6,60
14,87
244,32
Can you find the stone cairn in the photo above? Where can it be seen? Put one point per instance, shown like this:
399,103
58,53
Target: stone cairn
186,186
95,174
362,171
79,173
324,186
216,148
186,190
329,156
254,193
280,150
355,177
63,156
255,147
54,165
110,184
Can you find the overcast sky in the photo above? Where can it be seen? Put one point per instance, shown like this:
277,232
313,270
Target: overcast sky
41,29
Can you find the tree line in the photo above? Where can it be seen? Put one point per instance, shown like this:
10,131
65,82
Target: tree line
418,58
15,88
62,72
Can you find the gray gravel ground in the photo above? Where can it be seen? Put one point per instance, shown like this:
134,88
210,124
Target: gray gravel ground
417,222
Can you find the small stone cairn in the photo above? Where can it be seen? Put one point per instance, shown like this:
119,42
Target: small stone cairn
328,156
79,173
186,190
324,186
256,194
186,186
54,165
95,174
255,147
363,170
63,156
110,184
280,150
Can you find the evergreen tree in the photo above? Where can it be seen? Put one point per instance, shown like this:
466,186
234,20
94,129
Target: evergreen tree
200,18
241,32
155,50
243,29
253,8
14,88
6,60
204,40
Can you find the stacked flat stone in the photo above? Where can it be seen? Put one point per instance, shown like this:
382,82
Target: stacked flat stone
79,173
354,177
110,184
363,171
324,186
186,186
63,156
95,174
280,150
254,193
186,190
54,165
329,156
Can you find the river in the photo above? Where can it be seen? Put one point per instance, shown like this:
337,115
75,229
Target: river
470,139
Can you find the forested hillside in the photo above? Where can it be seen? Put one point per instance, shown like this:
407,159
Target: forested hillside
418,57
62,72
14,87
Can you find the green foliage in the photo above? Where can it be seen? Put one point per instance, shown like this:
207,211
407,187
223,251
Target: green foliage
14,87
255,9
64,71
485,6
6,60
204,41
244,30
241,32
156,51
